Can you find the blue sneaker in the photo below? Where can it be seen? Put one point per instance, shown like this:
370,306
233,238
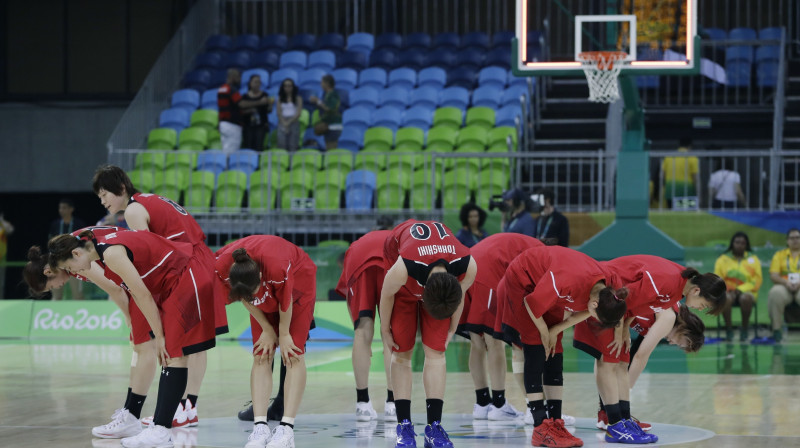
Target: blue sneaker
436,436
406,435
620,433
634,427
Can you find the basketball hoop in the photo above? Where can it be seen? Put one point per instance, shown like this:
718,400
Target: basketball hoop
602,70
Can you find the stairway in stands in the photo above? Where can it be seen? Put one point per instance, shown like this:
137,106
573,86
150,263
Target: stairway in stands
569,121
791,127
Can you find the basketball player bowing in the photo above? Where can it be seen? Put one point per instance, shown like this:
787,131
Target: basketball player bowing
360,283
166,280
276,282
429,271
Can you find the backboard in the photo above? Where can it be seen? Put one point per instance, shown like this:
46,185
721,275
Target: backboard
658,36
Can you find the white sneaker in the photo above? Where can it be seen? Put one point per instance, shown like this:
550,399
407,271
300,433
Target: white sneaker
568,420
390,411
504,413
365,412
260,436
185,415
154,436
480,412
528,417
123,424
282,437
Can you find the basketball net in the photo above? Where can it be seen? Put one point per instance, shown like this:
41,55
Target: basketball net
602,71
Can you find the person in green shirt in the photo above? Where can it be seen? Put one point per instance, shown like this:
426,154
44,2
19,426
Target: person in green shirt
330,115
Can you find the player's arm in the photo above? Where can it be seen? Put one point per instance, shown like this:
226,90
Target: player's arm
570,321
266,342
136,217
465,283
395,278
665,320
115,293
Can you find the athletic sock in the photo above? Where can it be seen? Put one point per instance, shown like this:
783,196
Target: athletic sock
287,421
170,390
403,410
554,409
482,396
498,398
260,420
135,403
613,412
536,408
362,395
625,409
389,396
434,407
128,398
192,399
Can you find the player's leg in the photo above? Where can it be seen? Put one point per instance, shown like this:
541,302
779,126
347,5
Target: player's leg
197,370
434,376
501,409
389,409
746,303
362,356
404,333
730,299
477,369
283,435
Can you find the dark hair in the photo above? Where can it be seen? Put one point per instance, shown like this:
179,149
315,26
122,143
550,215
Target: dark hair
463,215
737,235
250,81
282,93
67,201
244,276
712,288
329,80
442,295
61,246
33,272
685,142
385,223
611,306
112,179
793,229
547,193
689,325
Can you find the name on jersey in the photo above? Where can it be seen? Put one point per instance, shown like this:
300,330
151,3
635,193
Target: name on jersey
433,249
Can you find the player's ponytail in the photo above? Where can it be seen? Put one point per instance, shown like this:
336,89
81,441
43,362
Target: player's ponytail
33,272
61,247
688,325
244,276
712,288
611,306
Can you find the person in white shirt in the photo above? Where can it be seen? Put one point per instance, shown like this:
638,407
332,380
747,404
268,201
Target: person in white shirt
290,106
725,186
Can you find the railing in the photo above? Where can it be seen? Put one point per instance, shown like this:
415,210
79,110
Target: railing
154,96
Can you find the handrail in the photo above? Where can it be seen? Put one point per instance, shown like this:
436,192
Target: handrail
778,122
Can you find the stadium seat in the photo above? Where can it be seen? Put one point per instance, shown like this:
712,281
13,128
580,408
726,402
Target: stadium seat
470,58
447,41
464,77
519,81
351,138
441,138
239,60
768,62
193,138
432,77
260,72
394,96
264,187
296,184
738,65
490,183
353,59
487,96
346,78
389,117
361,42
359,189
231,186
500,135
442,58
378,138
268,60
492,76
217,78
480,116
417,41
340,159
200,191
180,160
211,60
456,190
371,160
457,97
427,96
420,190
372,77
205,118
502,39
475,39
162,138
391,190
466,164
169,184
409,139
359,117
303,42
742,33
420,116
512,94
413,58
212,160
274,158
310,79
196,79
324,60
474,137
307,159
385,59
277,42
209,99
249,42
451,117
218,42
151,160
739,53
716,33
364,96
142,180
333,42
403,77
501,162
281,75
294,60
498,57
507,115
244,160
213,140
389,41
327,190
773,33
188,99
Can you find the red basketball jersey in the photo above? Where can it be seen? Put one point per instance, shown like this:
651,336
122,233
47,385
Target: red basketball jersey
495,253
99,232
642,324
554,276
654,283
364,253
170,220
281,264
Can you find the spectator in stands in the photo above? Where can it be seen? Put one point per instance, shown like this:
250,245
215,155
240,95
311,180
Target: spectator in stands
114,220
516,218
784,271
256,124
552,228
725,186
681,174
6,229
741,270
230,104
290,106
472,219
330,119
67,223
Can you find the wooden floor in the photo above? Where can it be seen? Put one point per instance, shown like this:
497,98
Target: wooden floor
54,393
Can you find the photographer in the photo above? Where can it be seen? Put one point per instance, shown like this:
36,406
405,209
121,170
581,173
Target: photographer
516,218
552,228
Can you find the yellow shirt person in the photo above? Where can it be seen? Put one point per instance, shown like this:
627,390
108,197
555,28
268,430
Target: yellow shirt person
741,270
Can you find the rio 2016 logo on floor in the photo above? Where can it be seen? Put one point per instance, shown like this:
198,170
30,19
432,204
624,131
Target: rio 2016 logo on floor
78,319
82,319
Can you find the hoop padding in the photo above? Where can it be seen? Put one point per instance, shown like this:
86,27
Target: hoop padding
602,70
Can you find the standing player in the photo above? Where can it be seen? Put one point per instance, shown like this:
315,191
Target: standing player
166,280
544,291
276,282
165,218
361,282
429,271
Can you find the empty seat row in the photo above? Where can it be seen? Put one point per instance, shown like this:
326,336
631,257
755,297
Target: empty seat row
743,33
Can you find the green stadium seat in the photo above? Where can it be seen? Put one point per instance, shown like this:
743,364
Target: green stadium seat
451,117
200,191
184,161
307,159
405,161
278,157
391,190
342,159
334,243
193,138
231,186
456,189
442,137
315,117
264,188
296,184
501,162
205,118
378,139
421,190
142,180
372,160
473,136
499,134
303,120
151,160
470,164
162,138
409,139
170,184
214,141
480,116
328,189
490,181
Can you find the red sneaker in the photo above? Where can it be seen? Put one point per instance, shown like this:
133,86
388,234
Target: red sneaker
550,434
567,439
644,426
602,420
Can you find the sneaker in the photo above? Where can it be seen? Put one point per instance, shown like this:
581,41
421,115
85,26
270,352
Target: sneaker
568,420
190,414
551,433
644,426
154,436
636,428
504,413
602,420
480,412
180,420
744,335
389,411
436,436
260,436
406,435
246,414
282,437
122,424
528,417
620,432
365,412
564,438
275,410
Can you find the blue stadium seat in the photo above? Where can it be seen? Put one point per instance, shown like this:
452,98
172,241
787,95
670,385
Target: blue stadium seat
502,39
738,73
352,138
372,77
353,59
419,117
442,57
647,53
395,96
263,74
385,58
768,62
492,76
391,41
245,160
360,190
742,33
218,78
413,58
427,96
498,57
188,99
209,99
212,160
239,60
276,41
715,34
507,115
432,77
247,42
359,117
476,40
739,53
420,41
512,93
362,42
176,119
518,80
303,42
471,58
279,76
346,78
268,60
323,60
218,42
463,77
331,41
447,41
364,96
487,96
310,79
455,97
294,60
403,77
344,97
768,53
196,79
319,140
388,117
306,95
211,60
773,33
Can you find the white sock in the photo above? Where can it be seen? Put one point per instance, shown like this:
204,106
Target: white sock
289,420
260,418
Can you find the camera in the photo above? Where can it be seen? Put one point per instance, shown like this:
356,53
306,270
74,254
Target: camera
533,203
497,202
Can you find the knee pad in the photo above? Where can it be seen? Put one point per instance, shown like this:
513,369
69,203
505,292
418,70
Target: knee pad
533,368
134,359
400,361
554,371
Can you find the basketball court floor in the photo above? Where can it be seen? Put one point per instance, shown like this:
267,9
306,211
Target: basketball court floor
728,395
